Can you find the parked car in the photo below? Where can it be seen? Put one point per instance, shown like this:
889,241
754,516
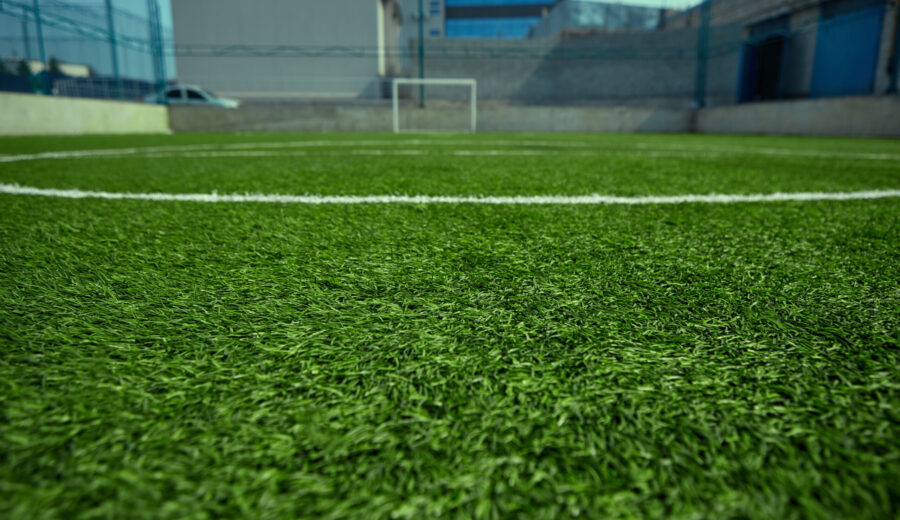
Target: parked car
191,95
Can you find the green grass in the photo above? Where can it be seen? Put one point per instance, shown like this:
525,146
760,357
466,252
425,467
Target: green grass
185,360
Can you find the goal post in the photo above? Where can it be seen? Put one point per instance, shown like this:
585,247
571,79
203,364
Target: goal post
460,82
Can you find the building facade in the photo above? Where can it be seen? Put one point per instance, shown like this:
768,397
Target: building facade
492,19
336,49
597,15
807,48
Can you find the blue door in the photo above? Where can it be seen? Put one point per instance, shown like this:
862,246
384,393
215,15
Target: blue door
847,50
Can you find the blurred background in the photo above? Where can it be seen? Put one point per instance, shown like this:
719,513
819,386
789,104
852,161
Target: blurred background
674,54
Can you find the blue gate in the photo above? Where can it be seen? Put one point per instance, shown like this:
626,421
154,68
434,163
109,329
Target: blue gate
847,48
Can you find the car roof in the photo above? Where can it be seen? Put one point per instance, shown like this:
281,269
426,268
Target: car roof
182,86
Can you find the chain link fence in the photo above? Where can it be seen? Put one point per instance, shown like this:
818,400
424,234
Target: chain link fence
97,49
719,52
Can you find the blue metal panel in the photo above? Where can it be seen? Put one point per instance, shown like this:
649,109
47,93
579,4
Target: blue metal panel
847,53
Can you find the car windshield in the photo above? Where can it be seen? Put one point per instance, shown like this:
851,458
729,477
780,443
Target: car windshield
209,93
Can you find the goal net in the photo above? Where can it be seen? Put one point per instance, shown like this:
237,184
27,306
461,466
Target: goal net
434,105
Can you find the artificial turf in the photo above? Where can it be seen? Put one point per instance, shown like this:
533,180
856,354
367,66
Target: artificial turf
188,360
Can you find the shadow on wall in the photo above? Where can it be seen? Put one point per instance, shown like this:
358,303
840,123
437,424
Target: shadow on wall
584,119
287,116
649,68
654,68
300,117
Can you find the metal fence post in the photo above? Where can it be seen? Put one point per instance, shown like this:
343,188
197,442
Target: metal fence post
157,50
113,52
702,55
421,55
45,74
25,39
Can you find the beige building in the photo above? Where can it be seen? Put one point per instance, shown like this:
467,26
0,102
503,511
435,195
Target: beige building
287,48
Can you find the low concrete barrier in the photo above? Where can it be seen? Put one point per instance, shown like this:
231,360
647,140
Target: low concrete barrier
378,118
29,114
870,116
584,119
281,117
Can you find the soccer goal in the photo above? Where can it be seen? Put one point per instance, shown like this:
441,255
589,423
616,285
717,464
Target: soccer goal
443,112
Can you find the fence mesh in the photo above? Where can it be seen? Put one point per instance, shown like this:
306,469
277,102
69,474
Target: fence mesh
711,54
98,49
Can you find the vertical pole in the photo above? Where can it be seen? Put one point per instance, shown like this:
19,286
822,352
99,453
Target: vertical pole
473,114
395,107
25,39
702,55
895,56
111,28
156,48
379,22
421,54
45,84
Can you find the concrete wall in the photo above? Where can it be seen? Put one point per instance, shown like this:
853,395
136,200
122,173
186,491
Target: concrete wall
870,116
800,53
877,116
378,118
641,67
28,114
282,117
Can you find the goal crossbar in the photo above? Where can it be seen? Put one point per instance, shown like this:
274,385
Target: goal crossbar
469,82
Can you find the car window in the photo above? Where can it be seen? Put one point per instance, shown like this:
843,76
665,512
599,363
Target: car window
193,94
174,94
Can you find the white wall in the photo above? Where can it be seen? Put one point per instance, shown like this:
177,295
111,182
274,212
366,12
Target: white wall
29,114
311,23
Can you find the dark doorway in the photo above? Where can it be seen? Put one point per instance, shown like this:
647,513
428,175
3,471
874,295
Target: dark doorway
762,70
762,60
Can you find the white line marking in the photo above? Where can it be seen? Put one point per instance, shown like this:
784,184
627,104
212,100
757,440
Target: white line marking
251,149
81,154
387,152
406,142
500,153
714,198
400,152
768,151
